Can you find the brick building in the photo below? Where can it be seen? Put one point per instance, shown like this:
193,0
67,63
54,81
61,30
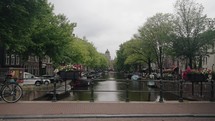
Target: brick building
31,65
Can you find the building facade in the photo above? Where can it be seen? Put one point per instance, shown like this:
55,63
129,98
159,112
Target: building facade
110,62
31,65
209,61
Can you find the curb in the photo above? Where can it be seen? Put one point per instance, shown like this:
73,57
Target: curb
108,116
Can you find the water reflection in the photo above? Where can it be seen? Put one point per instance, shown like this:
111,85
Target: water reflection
113,90
106,86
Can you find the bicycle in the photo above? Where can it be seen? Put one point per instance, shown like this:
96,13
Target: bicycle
11,91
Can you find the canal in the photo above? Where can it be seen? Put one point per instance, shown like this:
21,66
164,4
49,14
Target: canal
111,89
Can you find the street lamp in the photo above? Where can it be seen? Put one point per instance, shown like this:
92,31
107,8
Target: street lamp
161,73
161,63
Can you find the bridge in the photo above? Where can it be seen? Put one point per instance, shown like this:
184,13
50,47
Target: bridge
92,110
107,111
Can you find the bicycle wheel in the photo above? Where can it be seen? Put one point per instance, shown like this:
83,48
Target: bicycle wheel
11,93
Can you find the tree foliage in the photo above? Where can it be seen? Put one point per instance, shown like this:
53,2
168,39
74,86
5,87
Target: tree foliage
188,34
157,34
80,51
31,28
191,31
144,47
15,23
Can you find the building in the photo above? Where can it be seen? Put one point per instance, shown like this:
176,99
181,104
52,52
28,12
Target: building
209,61
107,54
110,62
9,60
31,65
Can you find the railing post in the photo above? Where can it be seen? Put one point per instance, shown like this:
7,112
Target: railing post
54,98
201,88
65,86
181,91
161,91
212,90
126,91
192,88
92,91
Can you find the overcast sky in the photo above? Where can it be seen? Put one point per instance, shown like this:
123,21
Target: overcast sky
109,23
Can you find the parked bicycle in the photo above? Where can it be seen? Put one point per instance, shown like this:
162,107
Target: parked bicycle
11,91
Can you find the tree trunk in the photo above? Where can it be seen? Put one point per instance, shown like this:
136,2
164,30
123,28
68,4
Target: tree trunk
200,62
149,66
191,62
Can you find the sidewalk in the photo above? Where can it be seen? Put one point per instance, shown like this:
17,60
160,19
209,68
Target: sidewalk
69,110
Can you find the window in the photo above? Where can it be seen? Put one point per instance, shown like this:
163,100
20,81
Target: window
36,59
7,59
12,59
205,60
17,59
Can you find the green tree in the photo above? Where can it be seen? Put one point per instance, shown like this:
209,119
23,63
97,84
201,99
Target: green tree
191,31
49,34
146,46
155,35
81,51
16,23
121,58
135,53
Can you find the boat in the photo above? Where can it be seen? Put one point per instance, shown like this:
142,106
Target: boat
151,83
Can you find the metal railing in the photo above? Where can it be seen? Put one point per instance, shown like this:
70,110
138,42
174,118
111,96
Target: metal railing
181,88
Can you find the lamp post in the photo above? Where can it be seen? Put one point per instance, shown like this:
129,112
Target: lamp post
161,74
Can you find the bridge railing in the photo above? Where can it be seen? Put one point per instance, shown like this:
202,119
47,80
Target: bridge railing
182,89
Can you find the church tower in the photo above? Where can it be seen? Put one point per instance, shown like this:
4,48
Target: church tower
107,54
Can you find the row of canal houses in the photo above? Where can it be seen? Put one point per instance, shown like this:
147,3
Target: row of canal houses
31,65
15,62
208,62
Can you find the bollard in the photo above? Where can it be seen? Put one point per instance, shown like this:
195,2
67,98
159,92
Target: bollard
92,91
126,91
161,91
212,91
181,91
54,98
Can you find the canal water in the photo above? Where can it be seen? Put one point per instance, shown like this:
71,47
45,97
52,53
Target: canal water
111,89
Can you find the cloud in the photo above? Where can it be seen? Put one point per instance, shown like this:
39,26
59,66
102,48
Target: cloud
109,23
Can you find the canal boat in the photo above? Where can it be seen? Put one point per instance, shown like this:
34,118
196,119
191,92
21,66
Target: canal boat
75,77
151,83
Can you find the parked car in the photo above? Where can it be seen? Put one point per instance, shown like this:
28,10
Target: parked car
92,75
29,78
52,78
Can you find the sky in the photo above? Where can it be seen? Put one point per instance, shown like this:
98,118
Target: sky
110,23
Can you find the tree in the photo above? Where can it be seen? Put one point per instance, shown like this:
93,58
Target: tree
155,35
144,47
135,51
81,51
15,24
49,34
121,58
190,31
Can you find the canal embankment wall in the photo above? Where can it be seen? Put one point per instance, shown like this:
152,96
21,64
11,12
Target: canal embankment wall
31,92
